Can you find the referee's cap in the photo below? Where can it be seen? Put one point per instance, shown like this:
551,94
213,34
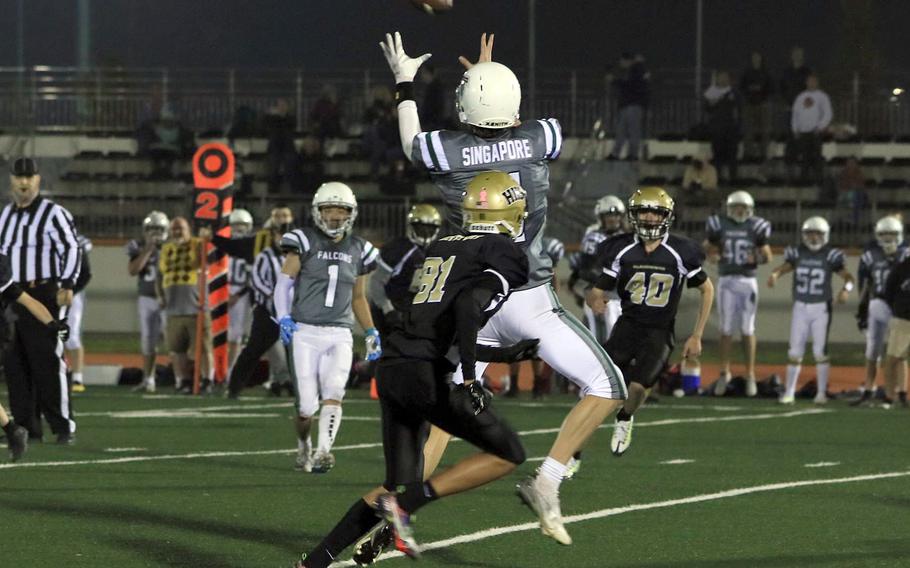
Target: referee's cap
23,167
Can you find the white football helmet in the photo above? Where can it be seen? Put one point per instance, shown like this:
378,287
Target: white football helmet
334,193
814,225
889,233
241,222
155,224
742,199
488,96
609,204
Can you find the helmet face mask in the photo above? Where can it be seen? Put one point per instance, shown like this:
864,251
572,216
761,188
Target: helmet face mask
740,206
889,232
334,209
488,96
423,224
610,211
651,213
815,233
493,202
155,226
241,222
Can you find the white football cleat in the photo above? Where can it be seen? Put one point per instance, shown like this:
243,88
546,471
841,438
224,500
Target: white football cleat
720,387
572,468
821,398
323,462
751,387
622,436
545,504
787,399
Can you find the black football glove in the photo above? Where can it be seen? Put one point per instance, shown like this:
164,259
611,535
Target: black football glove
477,396
524,349
60,328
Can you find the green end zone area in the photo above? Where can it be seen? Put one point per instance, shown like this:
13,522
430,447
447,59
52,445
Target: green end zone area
168,481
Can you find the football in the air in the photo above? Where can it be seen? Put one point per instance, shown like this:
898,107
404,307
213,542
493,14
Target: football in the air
432,6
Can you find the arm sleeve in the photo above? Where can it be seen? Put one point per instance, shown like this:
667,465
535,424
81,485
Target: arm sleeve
368,261
9,290
473,306
506,261
762,232
284,293
692,261
713,230
863,274
296,241
791,256
836,260
408,126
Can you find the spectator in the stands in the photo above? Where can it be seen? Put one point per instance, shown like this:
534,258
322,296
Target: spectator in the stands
380,129
809,122
633,90
756,87
281,154
312,168
244,124
793,78
699,181
165,140
724,109
325,118
851,189
434,110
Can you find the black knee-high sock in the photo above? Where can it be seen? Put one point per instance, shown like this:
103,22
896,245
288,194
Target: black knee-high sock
416,495
358,521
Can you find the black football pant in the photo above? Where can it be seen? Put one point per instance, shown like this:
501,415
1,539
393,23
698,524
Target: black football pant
413,392
35,369
263,334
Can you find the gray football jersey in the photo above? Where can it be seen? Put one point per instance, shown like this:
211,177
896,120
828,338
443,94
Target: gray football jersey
324,287
812,272
453,158
737,242
875,265
147,276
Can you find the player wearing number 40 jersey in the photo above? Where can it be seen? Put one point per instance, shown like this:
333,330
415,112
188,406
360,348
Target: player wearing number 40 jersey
738,243
812,263
488,100
648,269
321,288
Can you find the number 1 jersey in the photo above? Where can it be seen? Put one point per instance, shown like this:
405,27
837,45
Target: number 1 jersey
328,270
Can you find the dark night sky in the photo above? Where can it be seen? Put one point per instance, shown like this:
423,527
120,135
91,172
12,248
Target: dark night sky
344,33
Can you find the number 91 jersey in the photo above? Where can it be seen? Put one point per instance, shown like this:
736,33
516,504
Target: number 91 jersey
324,288
649,285
812,272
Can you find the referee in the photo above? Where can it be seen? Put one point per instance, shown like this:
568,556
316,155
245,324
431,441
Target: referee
39,238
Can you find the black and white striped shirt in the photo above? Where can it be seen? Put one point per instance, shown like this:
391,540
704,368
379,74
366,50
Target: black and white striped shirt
266,267
40,241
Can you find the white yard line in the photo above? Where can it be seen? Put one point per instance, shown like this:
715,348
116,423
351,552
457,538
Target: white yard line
602,513
822,464
678,461
202,455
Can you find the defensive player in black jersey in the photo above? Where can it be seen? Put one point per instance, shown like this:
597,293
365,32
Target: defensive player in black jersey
648,269
393,284
463,281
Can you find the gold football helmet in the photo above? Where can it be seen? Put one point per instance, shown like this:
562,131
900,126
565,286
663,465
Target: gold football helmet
424,222
651,199
493,202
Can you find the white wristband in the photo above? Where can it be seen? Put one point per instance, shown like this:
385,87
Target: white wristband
848,286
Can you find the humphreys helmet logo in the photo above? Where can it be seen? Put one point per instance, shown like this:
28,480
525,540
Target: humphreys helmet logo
513,194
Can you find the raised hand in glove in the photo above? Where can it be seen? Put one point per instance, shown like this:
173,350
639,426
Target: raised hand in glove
286,328
373,344
60,328
403,66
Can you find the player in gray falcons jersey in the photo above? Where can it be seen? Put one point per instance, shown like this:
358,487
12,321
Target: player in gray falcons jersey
738,243
812,263
488,100
879,257
321,287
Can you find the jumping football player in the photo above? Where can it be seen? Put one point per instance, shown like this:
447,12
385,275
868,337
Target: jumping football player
320,290
488,100
812,263
875,264
464,279
610,212
738,243
648,269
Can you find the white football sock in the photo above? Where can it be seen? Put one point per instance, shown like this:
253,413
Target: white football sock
77,378
329,423
552,471
792,377
822,370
